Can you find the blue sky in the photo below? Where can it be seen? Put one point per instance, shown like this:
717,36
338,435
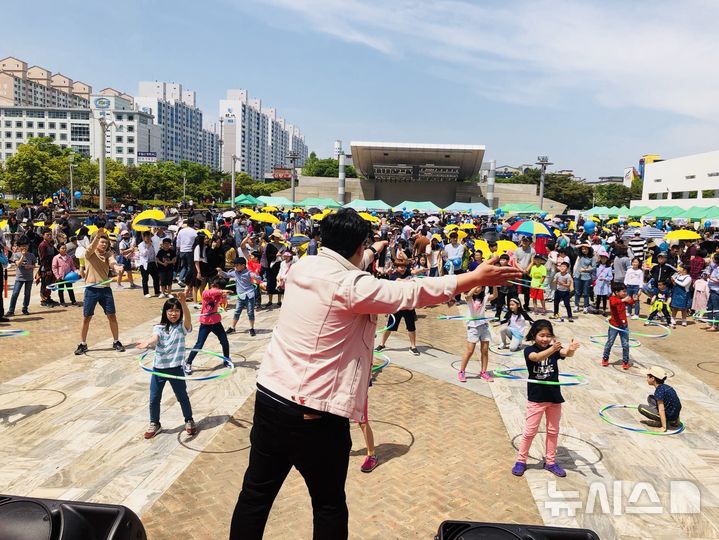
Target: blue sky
593,85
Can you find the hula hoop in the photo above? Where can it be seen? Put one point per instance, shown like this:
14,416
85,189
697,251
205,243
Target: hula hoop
699,316
667,330
500,352
608,420
579,380
13,333
79,287
633,342
56,286
230,369
384,364
389,317
463,318
221,310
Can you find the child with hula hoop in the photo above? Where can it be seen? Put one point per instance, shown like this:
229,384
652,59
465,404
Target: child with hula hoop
543,399
477,331
618,326
213,299
516,321
663,407
168,337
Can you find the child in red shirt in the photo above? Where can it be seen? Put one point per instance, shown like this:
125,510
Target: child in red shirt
213,299
618,323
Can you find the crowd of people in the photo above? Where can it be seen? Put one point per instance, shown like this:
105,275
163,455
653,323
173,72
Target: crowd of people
368,266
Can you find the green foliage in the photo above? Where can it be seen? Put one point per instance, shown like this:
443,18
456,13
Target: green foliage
14,204
577,195
636,190
36,169
329,167
612,195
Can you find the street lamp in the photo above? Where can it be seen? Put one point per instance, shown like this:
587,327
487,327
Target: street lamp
293,157
71,158
232,184
104,125
542,161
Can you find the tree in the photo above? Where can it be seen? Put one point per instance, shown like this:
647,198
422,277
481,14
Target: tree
329,167
34,171
558,187
612,195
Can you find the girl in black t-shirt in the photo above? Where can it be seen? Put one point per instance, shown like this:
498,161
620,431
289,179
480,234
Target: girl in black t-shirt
543,399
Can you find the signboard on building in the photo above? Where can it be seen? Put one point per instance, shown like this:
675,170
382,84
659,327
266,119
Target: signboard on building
102,103
282,173
147,157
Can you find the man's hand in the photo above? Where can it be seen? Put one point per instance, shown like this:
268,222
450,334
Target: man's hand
488,274
380,245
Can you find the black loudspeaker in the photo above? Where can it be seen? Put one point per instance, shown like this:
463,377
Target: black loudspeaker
469,530
28,518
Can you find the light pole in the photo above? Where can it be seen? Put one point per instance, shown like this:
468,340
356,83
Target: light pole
542,161
293,157
232,184
72,189
104,124
184,185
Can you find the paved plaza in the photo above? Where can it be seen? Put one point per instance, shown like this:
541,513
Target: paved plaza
72,429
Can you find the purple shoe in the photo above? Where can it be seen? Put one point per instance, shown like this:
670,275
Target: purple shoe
519,468
555,469
461,376
370,464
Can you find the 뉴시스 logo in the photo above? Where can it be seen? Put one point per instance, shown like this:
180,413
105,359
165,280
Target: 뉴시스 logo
102,103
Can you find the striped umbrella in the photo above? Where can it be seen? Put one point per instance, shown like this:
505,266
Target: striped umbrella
531,228
644,232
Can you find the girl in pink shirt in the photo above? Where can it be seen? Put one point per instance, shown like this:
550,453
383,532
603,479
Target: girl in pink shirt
213,299
62,265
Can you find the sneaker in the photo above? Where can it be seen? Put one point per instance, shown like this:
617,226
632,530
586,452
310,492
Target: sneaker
379,348
555,469
519,468
503,346
605,362
554,316
9,313
252,332
25,311
4,319
625,365
230,330
148,295
133,286
414,351
370,464
486,376
684,323
570,319
561,319
152,430
119,347
585,310
81,349
461,376
181,283
635,317
646,323
119,287
190,428
187,369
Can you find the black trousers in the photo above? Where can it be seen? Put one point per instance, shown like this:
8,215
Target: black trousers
563,296
151,271
319,449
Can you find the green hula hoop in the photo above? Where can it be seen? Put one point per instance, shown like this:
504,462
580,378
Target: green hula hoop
667,330
79,287
389,325
608,420
577,380
633,342
230,368
384,364
13,333
464,318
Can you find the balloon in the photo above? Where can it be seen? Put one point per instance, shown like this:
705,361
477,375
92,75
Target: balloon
664,246
659,224
562,226
707,224
499,228
404,209
589,227
114,199
78,194
374,214
72,277
543,215
447,266
457,263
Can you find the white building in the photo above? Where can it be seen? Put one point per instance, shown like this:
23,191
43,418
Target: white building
685,181
257,137
179,120
129,131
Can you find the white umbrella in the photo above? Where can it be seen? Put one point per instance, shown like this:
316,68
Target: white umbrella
432,219
229,214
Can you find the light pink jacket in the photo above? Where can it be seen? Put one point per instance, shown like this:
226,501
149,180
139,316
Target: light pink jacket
62,266
320,354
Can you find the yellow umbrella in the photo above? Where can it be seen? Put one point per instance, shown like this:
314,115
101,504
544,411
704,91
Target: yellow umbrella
247,211
147,214
451,227
594,218
368,217
297,210
437,236
635,224
468,226
3,223
682,234
323,215
207,233
47,201
269,209
502,247
264,217
461,235
613,221
572,225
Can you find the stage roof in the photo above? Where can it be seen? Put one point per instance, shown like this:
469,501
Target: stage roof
415,162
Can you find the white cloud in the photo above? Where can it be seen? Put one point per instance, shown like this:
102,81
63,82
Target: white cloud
658,55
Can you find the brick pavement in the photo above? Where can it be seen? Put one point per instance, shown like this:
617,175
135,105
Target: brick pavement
445,454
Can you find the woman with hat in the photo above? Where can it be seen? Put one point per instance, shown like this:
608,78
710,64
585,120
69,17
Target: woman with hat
126,248
272,253
583,275
286,263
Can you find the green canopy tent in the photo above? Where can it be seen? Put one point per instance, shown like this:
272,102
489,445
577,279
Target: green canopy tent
426,207
317,202
613,211
521,209
276,201
665,212
696,213
369,204
246,200
596,211
638,211
623,211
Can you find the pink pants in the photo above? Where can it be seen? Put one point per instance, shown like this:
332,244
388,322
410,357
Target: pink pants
553,412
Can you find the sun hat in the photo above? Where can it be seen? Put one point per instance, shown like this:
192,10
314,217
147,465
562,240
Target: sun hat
657,372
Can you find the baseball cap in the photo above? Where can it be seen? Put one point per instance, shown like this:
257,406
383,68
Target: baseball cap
125,233
657,372
662,254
